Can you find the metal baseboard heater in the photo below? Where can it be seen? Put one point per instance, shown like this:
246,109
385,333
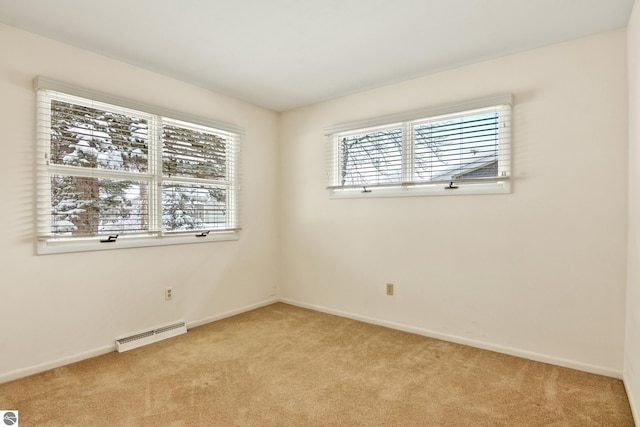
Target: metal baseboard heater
148,337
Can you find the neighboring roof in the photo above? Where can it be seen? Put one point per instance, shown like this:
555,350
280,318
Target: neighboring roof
464,170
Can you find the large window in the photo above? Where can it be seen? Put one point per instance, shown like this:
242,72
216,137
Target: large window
460,149
113,176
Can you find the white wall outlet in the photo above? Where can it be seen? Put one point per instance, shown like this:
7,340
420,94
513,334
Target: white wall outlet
168,294
389,288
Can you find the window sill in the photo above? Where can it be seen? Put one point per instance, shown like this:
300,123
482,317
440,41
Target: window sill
501,187
61,245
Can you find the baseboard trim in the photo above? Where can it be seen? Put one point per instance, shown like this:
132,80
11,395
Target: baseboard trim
36,369
634,409
232,313
538,357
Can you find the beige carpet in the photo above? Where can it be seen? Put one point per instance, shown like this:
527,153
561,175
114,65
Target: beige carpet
286,366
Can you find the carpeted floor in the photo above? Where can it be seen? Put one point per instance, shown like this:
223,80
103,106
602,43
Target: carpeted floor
287,366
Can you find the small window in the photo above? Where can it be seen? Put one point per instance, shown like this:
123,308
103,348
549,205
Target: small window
462,149
111,176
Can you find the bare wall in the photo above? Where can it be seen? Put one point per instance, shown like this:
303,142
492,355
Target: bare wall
58,308
538,273
632,339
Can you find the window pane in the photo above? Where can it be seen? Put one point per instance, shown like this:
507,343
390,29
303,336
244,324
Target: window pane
193,153
97,139
461,148
193,207
86,206
371,158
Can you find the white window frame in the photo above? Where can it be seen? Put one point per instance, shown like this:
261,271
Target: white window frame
48,90
409,186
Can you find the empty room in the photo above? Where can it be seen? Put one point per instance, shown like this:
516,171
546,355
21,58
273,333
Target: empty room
320,213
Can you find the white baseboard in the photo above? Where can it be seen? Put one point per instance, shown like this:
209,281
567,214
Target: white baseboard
632,403
24,372
232,313
594,369
36,369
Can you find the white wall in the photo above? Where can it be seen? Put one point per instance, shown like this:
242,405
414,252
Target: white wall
632,339
540,272
57,308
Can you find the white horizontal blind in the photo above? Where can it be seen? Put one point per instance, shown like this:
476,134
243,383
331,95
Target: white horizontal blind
199,177
461,147
457,148
94,168
105,170
371,156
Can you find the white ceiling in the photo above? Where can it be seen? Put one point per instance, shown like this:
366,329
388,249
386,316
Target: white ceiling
283,54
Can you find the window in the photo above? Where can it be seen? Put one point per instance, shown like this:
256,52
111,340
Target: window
110,175
459,149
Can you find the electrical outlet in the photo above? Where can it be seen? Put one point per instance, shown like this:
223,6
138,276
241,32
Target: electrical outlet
168,294
389,288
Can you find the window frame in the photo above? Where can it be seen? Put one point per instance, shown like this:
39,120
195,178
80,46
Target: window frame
409,186
46,243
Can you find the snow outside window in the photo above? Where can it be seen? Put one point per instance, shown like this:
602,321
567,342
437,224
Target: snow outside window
458,149
111,176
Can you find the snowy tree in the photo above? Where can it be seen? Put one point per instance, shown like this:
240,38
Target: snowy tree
86,201
195,154
94,139
192,207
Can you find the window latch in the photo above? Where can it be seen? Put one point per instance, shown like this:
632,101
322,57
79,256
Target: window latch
451,186
203,234
109,239
364,190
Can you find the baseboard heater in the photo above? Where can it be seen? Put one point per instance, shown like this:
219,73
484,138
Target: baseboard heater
148,337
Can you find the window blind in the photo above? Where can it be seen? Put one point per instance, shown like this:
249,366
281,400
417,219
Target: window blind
199,177
371,157
110,170
462,147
